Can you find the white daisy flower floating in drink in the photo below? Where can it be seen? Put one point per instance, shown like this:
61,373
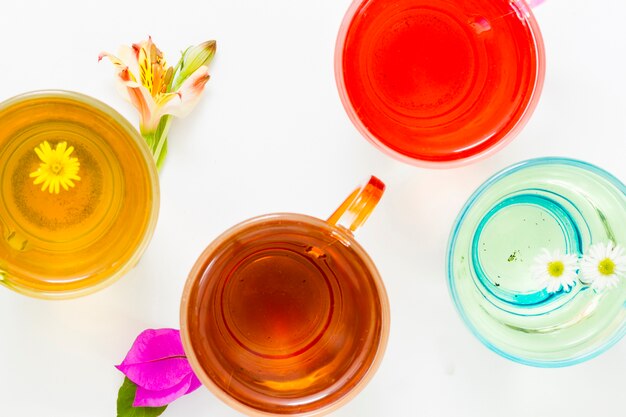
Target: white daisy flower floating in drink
555,270
603,266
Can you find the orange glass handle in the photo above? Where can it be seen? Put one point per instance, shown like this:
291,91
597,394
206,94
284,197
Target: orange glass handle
353,212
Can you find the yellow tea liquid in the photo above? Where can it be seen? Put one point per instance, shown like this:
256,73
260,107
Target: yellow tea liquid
71,242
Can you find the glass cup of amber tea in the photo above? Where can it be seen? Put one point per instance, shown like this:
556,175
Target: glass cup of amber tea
286,314
79,194
439,83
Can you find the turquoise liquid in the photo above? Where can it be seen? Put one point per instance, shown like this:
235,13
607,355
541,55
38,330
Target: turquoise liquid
544,203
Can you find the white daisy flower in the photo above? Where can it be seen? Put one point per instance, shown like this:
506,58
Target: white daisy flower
555,270
603,266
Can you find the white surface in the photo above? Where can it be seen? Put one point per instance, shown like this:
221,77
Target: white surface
271,135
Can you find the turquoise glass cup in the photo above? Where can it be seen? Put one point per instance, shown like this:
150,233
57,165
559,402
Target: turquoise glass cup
515,221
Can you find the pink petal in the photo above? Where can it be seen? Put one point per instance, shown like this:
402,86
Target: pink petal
148,398
155,344
195,384
156,360
158,375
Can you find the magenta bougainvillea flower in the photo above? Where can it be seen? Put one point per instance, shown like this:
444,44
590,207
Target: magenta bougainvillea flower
157,364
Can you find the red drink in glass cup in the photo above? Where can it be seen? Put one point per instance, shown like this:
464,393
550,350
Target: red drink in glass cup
439,82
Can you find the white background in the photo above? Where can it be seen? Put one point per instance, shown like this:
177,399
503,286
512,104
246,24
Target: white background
271,135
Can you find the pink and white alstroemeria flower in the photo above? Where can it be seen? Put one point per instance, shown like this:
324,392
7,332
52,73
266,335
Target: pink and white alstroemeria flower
145,80
160,91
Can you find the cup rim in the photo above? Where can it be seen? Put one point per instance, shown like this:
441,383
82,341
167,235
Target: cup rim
423,163
192,279
453,238
147,157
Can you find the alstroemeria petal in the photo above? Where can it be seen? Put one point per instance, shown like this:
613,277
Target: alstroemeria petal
149,398
140,97
155,344
123,72
118,63
127,55
189,93
132,90
157,375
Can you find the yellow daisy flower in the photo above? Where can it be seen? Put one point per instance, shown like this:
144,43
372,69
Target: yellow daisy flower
57,168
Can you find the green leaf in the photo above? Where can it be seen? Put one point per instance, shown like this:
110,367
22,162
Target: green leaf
125,398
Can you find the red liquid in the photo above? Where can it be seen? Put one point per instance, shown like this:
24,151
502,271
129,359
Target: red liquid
285,318
440,80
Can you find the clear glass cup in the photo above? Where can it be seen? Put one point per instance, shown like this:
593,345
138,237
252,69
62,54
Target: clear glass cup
555,204
286,314
439,83
77,240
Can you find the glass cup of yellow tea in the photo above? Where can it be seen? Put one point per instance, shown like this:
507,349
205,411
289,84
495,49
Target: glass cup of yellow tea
79,194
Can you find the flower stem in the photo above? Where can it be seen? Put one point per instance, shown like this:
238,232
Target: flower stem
157,141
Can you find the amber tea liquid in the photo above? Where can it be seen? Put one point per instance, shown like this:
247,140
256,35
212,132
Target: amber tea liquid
285,314
64,244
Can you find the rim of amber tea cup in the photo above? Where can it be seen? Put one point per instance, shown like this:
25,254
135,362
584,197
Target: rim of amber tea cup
108,149
375,118
320,402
